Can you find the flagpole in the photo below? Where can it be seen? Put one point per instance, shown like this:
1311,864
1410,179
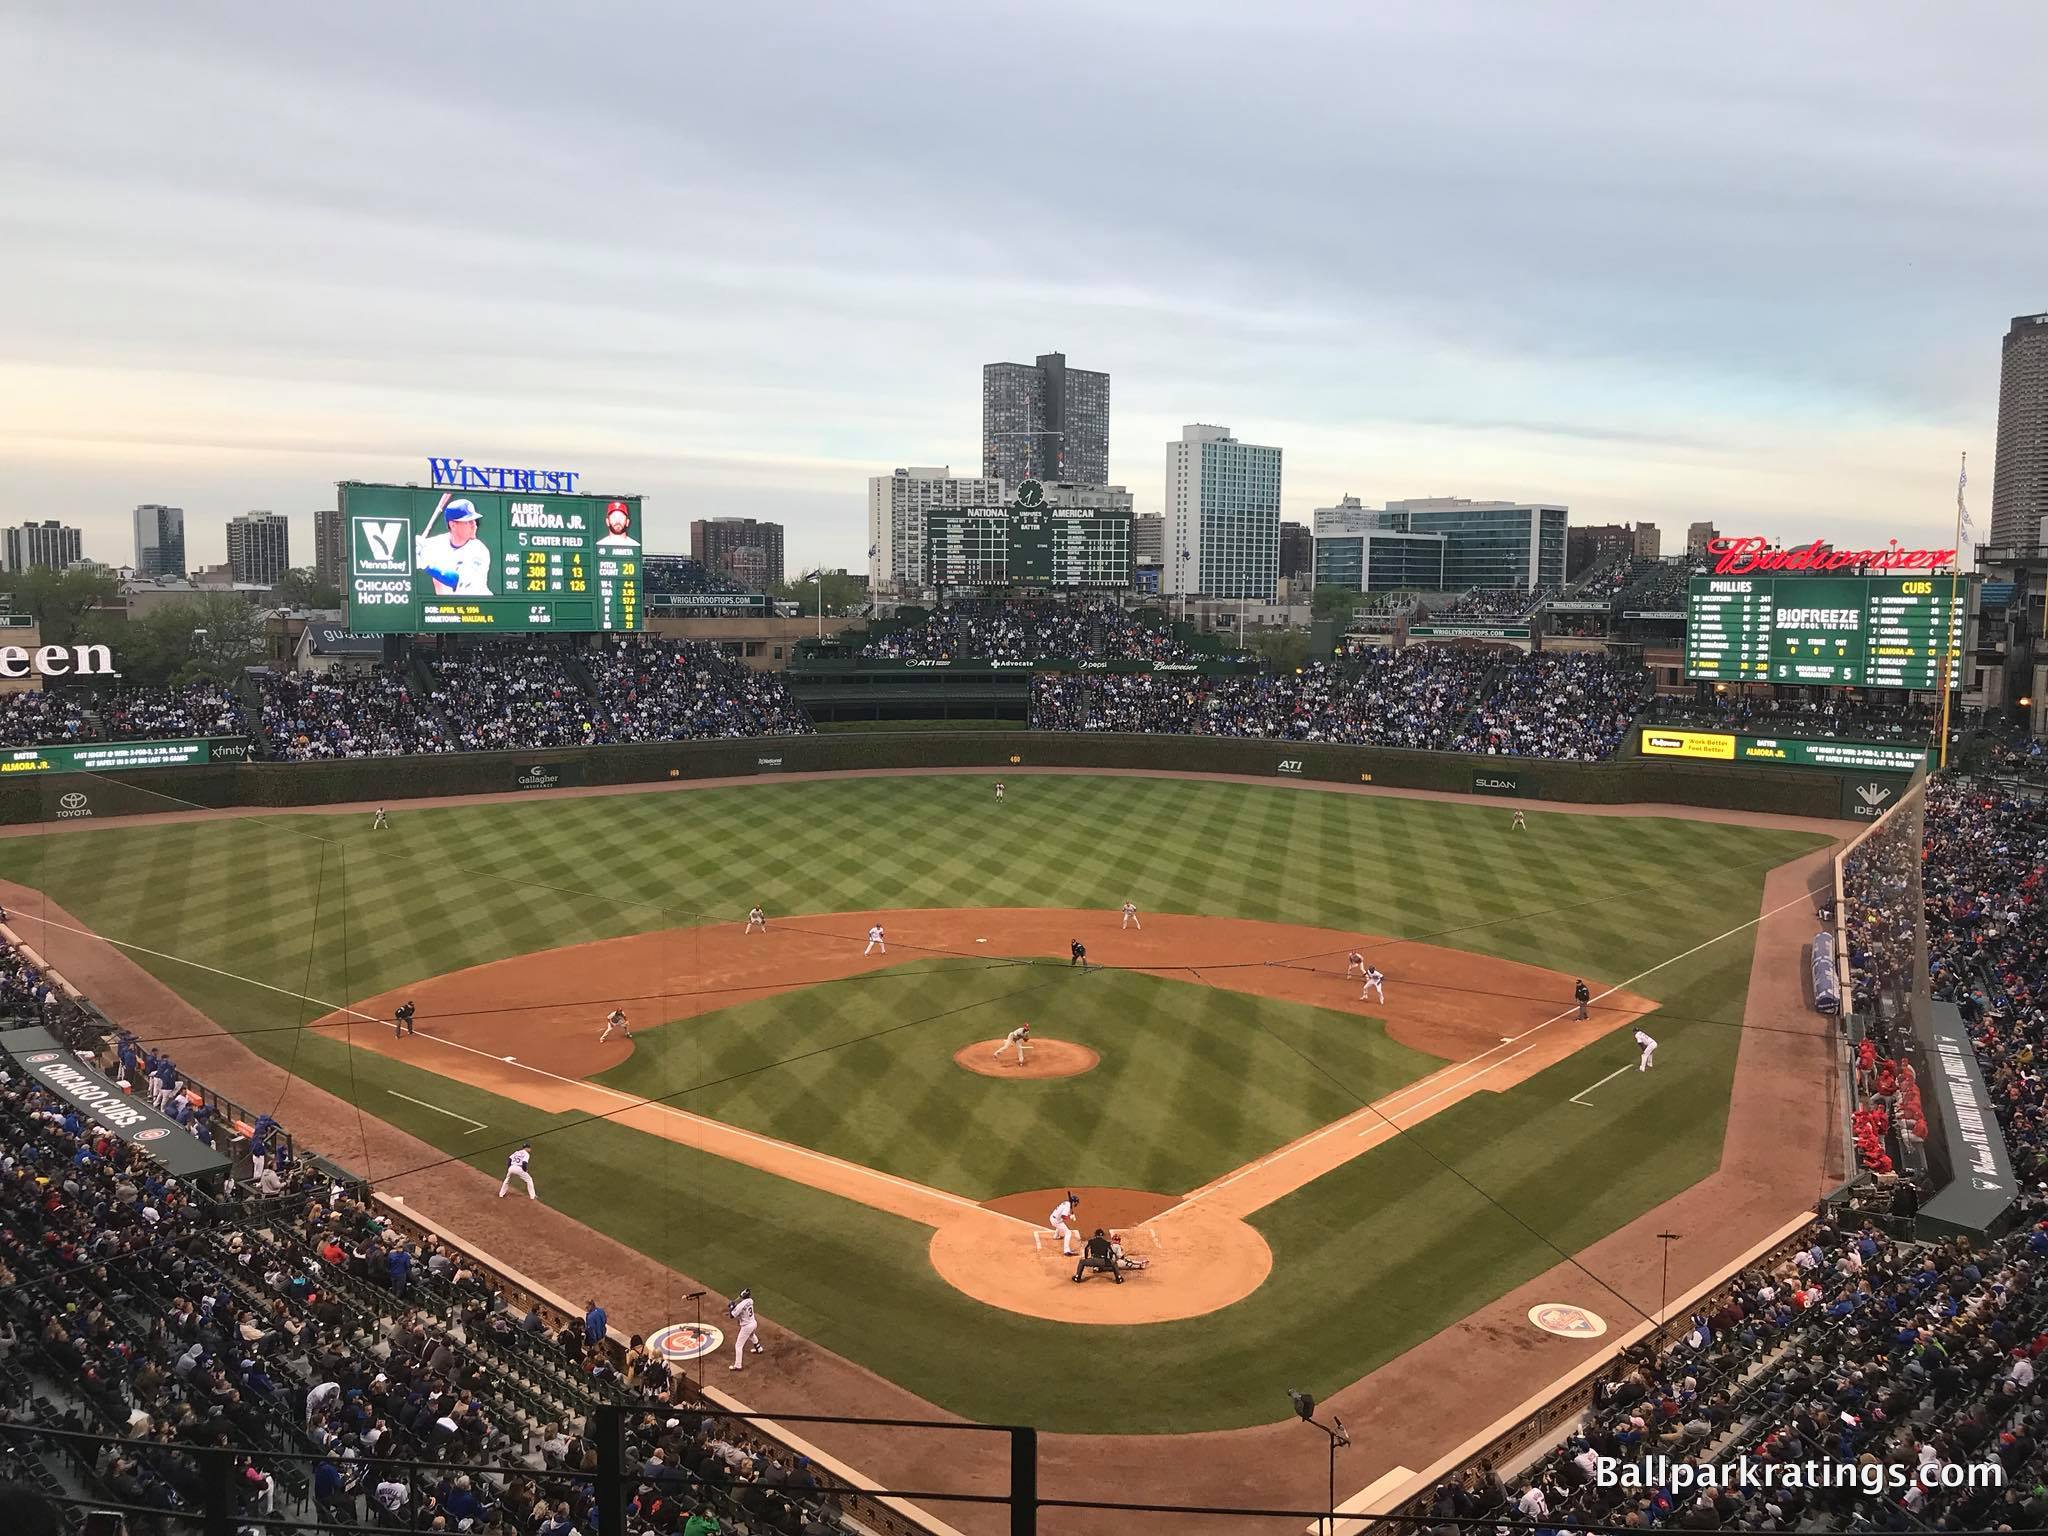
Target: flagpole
1948,647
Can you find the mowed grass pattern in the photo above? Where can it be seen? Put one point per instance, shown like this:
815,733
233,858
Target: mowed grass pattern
1193,1081
1368,1260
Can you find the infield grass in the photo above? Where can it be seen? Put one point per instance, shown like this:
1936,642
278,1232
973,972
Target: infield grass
1368,1260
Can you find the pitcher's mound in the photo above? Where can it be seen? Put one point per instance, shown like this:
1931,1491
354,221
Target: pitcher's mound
1042,1058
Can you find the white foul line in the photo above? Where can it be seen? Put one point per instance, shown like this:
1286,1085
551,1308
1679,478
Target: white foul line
1580,1096
437,1109
574,1082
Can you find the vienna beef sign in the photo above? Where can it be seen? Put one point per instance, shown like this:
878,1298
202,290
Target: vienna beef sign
1738,557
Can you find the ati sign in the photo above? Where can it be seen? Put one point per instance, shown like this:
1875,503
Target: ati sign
1496,783
1292,766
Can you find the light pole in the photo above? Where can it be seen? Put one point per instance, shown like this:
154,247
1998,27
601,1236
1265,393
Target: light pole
1305,1408
1664,1285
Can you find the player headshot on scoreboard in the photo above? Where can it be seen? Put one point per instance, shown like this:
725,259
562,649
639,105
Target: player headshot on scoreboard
618,522
457,561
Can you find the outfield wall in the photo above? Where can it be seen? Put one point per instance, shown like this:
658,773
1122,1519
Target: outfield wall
57,797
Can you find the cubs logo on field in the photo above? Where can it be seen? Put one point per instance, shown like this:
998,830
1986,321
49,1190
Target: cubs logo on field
1567,1322
685,1341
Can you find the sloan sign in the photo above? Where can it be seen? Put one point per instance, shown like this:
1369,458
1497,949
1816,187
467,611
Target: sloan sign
1737,557
57,661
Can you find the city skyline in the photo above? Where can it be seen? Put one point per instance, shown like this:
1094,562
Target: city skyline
1681,328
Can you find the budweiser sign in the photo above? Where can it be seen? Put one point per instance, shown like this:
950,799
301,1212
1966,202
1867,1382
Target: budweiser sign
1738,557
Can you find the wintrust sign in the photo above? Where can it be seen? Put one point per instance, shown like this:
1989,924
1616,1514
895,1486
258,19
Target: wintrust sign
461,475
57,661
1738,557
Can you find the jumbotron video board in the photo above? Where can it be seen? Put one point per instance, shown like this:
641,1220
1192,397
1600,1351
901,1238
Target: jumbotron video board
1832,631
1028,545
423,559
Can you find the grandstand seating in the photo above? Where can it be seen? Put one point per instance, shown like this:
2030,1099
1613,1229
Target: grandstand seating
1096,629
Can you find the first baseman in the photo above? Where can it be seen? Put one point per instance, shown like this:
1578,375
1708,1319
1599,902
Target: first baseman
876,940
1062,1221
615,1020
1374,983
1131,916
757,920
1019,1037
741,1311
1649,1050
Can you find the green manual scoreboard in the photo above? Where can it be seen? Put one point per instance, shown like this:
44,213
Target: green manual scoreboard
1030,544
1831,631
424,559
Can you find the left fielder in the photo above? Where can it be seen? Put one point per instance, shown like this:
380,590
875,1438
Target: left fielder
1649,1051
1019,1037
615,1020
741,1311
1375,983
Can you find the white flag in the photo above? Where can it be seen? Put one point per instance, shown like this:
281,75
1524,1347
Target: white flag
1963,512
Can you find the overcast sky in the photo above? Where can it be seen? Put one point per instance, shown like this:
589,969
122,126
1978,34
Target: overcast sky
1741,262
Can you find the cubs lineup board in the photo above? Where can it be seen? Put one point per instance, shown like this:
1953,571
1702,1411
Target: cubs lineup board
423,559
1028,547
1834,631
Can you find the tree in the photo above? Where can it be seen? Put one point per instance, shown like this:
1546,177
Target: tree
1282,650
301,588
59,600
842,593
1334,602
211,636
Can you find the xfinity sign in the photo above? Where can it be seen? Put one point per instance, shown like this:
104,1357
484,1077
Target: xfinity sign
57,661
458,474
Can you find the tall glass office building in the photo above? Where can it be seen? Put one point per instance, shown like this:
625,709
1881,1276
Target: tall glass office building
1222,516
1491,543
1383,561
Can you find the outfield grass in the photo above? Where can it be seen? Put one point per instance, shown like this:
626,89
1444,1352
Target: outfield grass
1368,1259
1193,1081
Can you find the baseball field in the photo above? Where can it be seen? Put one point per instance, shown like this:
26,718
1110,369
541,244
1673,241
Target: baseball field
1320,1182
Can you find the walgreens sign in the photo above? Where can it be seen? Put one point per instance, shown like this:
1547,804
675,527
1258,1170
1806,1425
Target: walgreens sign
1738,557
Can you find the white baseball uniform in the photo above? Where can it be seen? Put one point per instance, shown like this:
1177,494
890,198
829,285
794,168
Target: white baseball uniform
615,1020
380,824
1354,964
1519,824
1019,1037
742,1312
1375,983
1062,1223
876,941
515,1168
757,919
466,572
1131,916
1649,1050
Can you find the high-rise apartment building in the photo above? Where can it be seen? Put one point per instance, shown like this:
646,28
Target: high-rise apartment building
2019,482
897,504
329,559
1148,538
1222,515
1044,421
1297,551
159,540
1649,541
48,544
1698,537
748,552
259,548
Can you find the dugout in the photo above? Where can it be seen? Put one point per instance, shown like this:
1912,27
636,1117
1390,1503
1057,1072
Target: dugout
42,1058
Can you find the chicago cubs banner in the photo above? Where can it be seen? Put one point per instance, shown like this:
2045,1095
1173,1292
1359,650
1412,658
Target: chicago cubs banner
40,1056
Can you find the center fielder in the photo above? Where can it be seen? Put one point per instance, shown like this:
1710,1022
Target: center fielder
615,1020
757,921
1062,1222
1019,1037
741,1311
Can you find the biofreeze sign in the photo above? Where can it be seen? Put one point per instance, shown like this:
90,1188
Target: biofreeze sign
57,661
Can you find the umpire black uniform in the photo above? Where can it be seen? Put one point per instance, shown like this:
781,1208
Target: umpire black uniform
1585,995
1095,1254
1080,955
401,1020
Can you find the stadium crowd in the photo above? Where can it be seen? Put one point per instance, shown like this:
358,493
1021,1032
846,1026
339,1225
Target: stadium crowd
375,713
499,695
680,576
55,716
1576,706
1481,605
1094,628
1656,586
664,690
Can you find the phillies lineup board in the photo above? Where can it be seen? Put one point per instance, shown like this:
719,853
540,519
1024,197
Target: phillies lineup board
1834,631
524,562
1027,547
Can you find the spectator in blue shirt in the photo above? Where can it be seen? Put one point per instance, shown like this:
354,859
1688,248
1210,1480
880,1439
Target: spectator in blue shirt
593,1323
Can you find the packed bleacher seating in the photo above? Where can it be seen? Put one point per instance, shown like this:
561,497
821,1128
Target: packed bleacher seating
1097,629
1406,698
680,576
47,716
374,713
1482,605
1655,586
369,1374
667,690
500,695
1854,1351
1607,578
1575,706
1848,717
